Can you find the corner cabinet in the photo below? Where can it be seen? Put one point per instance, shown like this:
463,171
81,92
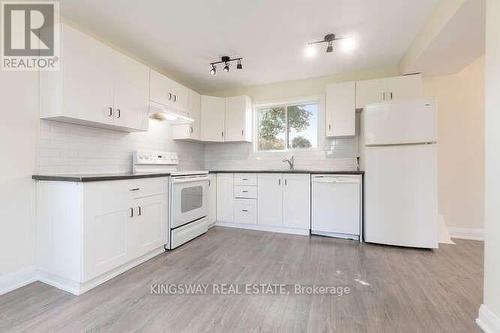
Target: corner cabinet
388,89
226,119
90,232
95,86
341,109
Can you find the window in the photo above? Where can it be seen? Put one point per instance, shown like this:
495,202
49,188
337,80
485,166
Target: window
289,126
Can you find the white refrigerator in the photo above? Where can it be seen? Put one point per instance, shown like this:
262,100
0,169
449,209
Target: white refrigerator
400,161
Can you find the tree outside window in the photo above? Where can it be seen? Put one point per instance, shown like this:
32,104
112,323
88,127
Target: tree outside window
288,127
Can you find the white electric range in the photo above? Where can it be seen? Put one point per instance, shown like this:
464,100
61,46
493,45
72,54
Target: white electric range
188,194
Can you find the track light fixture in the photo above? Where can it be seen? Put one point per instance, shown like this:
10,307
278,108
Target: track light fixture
329,39
226,61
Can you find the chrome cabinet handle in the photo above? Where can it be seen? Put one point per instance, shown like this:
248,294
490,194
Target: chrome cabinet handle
383,96
329,127
169,96
279,182
131,212
191,129
391,95
209,182
285,182
110,114
222,133
244,191
140,211
175,98
135,189
245,210
242,132
119,113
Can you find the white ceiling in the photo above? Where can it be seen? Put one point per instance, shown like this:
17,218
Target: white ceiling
182,37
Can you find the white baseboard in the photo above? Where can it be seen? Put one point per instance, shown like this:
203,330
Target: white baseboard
293,231
18,279
487,320
467,233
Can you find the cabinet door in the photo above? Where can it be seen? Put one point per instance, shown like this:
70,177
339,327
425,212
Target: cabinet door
131,93
106,215
212,199
180,99
146,229
161,88
270,199
341,109
213,111
404,87
225,198
87,77
369,92
296,201
238,119
194,111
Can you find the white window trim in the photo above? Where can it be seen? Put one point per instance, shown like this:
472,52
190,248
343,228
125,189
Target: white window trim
320,99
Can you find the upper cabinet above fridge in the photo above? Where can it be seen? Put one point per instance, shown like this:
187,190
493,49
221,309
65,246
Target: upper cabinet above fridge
168,92
388,89
95,86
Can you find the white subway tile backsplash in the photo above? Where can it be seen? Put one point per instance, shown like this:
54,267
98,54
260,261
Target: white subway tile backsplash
68,148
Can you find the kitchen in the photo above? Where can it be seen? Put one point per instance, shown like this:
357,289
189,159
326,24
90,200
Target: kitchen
138,165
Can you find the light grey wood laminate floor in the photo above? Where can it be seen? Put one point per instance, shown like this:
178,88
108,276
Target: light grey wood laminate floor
392,289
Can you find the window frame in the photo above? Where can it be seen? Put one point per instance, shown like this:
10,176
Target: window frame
286,103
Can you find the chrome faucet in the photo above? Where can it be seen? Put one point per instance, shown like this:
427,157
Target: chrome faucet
290,162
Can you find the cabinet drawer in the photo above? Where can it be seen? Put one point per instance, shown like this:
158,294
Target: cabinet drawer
245,211
146,187
247,192
245,179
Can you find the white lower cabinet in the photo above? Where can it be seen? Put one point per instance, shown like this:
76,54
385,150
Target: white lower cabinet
212,199
297,201
277,202
270,193
225,199
88,233
284,200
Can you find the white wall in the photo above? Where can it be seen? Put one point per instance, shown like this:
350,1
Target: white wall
18,137
68,148
461,146
332,154
489,314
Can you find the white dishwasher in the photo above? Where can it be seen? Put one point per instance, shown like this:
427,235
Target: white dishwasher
337,206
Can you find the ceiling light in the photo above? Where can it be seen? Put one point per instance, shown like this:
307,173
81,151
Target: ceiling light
329,39
310,51
329,49
226,61
348,44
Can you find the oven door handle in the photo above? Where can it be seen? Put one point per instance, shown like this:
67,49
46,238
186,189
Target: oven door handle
189,180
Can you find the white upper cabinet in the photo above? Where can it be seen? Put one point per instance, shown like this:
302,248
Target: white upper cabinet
168,92
93,83
238,121
388,89
131,92
213,113
190,132
341,109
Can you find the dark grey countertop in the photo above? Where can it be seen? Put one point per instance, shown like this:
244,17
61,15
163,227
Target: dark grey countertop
312,172
121,176
97,177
